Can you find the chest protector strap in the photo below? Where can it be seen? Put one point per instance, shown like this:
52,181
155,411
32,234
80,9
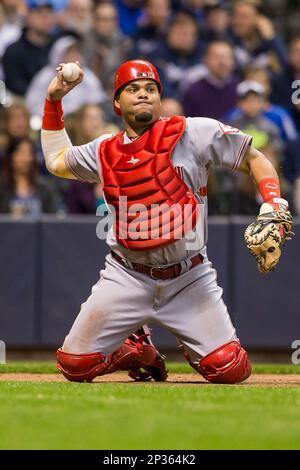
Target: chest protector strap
154,206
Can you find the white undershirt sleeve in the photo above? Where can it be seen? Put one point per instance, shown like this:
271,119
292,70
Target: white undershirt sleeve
54,145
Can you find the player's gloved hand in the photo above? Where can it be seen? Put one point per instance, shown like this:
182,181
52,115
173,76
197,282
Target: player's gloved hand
265,237
156,371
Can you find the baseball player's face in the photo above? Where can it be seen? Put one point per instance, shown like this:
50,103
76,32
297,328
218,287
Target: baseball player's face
139,103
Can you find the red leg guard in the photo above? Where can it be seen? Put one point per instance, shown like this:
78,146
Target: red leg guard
228,364
80,367
134,355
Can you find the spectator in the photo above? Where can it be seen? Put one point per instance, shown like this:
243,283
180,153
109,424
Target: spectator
195,7
178,57
216,21
252,103
22,190
15,11
266,138
84,198
105,47
65,49
129,13
25,57
255,39
87,124
246,200
152,28
170,107
15,124
215,94
9,33
76,17
275,113
60,5
282,84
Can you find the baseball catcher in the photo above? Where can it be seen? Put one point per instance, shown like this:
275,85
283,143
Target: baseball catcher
158,269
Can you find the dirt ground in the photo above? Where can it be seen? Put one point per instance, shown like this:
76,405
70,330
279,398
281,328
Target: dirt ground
173,379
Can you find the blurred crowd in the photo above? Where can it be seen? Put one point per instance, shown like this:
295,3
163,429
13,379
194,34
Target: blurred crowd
236,61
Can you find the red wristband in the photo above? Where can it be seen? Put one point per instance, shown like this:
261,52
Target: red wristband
269,188
53,116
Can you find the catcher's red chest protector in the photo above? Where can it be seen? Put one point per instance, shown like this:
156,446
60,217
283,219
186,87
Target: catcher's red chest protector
141,173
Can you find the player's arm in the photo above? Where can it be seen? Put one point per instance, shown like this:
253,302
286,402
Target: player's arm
54,138
257,165
265,237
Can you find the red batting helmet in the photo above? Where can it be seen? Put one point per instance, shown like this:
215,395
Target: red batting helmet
135,70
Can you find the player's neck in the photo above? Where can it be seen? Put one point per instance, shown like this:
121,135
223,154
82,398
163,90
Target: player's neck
136,131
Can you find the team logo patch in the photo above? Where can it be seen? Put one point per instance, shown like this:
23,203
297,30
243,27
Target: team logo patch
133,160
228,129
145,74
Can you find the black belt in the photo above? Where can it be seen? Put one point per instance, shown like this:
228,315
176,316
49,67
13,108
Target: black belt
159,272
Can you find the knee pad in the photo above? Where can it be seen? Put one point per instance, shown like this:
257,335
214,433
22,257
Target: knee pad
80,367
228,364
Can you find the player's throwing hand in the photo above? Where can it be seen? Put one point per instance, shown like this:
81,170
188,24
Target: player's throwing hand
59,87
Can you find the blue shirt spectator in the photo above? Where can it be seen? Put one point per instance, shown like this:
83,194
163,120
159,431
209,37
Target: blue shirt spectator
153,26
130,11
278,115
178,57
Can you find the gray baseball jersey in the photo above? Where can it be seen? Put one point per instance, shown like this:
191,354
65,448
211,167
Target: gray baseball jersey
190,306
205,142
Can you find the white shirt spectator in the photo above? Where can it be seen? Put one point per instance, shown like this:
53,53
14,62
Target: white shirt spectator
90,91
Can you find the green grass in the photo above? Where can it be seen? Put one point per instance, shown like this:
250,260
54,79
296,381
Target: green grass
41,367
148,416
44,367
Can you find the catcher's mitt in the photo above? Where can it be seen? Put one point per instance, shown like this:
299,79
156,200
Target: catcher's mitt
265,237
156,371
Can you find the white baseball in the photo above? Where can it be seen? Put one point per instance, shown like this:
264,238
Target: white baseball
70,72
